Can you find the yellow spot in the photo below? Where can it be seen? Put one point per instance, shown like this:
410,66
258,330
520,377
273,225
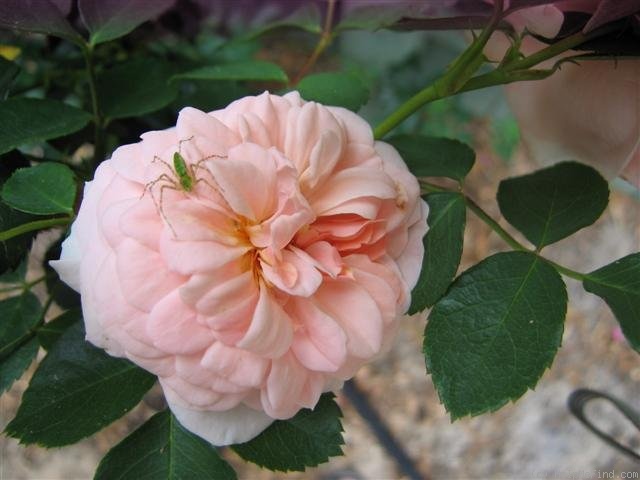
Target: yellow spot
9,52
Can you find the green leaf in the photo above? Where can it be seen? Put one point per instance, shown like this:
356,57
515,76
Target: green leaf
434,156
63,295
18,316
77,390
199,94
8,71
619,285
15,249
51,331
495,332
255,70
307,18
12,368
110,19
306,440
442,248
15,276
236,50
364,17
29,120
163,449
136,87
334,88
553,203
45,189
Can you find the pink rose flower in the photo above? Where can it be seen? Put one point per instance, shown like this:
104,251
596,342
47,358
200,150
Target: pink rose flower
588,112
282,270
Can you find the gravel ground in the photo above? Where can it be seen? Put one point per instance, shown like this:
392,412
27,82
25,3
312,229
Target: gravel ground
533,438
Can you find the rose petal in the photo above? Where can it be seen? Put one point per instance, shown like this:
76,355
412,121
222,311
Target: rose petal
294,273
173,327
356,312
143,275
270,333
256,199
320,344
237,425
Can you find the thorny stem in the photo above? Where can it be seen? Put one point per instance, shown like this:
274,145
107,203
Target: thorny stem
518,70
454,78
326,37
502,233
513,71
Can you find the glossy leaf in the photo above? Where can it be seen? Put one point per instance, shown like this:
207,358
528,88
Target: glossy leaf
332,88
495,332
15,276
307,17
256,70
163,449
13,251
12,367
18,317
41,16
434,156
76,391
306,440
63,295
45,189
136,87
51,331
200,94
28,120
619,285
442,248
110,19
551,204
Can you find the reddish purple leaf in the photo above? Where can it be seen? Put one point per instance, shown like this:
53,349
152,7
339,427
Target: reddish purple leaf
518,4
611,10
42,16
109,19
63,5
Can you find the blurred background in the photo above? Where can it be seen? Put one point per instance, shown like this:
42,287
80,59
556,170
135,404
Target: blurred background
534,438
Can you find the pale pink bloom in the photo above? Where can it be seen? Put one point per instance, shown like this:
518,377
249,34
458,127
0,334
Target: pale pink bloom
588,112
282,272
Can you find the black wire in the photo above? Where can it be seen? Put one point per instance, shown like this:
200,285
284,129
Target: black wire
377,425
577,402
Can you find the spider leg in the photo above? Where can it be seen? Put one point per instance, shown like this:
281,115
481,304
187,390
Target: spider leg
213,187
183,141
209,157
166,164
193,169
152,183
164,187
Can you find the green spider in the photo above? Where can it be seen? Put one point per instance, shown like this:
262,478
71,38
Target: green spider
182,177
